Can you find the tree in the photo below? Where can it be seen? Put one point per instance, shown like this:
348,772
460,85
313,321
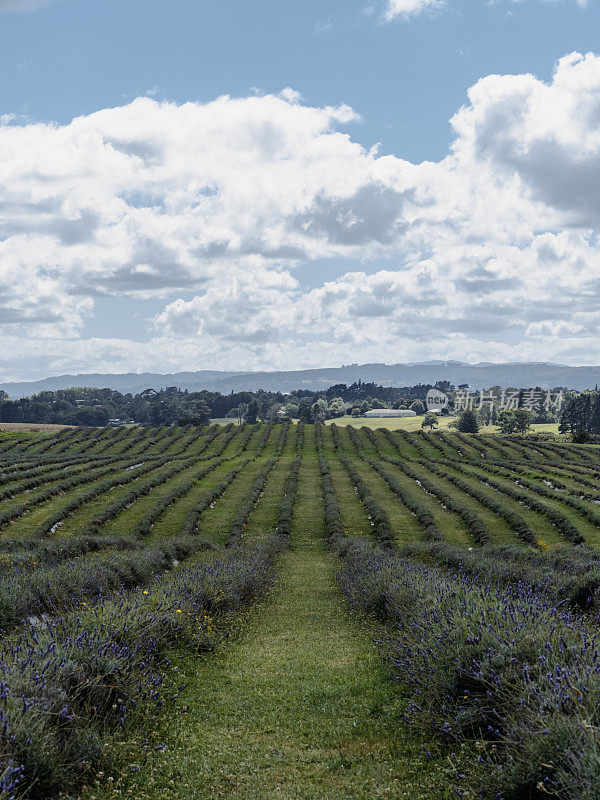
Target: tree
507,422
9,411
468,422
305,410
581,437
272,413
523,420
595,414
337,407
576,413
319,410
418,407
201,416
290,411
252,412
430,420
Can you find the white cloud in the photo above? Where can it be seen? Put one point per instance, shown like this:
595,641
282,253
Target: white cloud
411,8
547,134
495,247
408,9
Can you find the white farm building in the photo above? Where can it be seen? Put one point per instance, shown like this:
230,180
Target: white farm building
391,412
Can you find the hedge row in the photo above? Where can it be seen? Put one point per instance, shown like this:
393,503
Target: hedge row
557,518
434,441
52,589
34,478
422,514
299,438
38,476
13,468
282,439
211,433
526,474
501,667
117,436
376,514
174,436
475,524
6,448
333,516
571,576
131,443
53,440
516,521
286,507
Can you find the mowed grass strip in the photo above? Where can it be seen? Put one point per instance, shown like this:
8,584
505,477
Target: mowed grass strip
499,530
130,517
541,528
354,514
171,522
216,522
450,525
263,518
403,522
298,708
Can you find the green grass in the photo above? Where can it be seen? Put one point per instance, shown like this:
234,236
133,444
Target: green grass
414,424
297,708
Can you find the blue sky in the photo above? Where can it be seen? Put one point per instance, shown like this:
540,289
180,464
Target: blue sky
404,77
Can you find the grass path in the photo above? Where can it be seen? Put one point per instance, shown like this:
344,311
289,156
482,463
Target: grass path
298,707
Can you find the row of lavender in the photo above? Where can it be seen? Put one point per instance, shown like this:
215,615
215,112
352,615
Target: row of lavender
65,683
504,669
67,680
570,575
42,575
490,660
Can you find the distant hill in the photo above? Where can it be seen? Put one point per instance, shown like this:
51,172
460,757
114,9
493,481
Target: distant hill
478,376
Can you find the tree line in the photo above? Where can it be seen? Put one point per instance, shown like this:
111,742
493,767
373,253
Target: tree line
94,407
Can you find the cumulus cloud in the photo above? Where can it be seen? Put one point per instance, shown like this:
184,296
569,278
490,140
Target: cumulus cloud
152,196
495,247
547,134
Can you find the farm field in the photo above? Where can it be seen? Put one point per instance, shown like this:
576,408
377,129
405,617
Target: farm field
19,427
298,611
414,424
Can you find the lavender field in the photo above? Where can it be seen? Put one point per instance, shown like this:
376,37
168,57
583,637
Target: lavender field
298,611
